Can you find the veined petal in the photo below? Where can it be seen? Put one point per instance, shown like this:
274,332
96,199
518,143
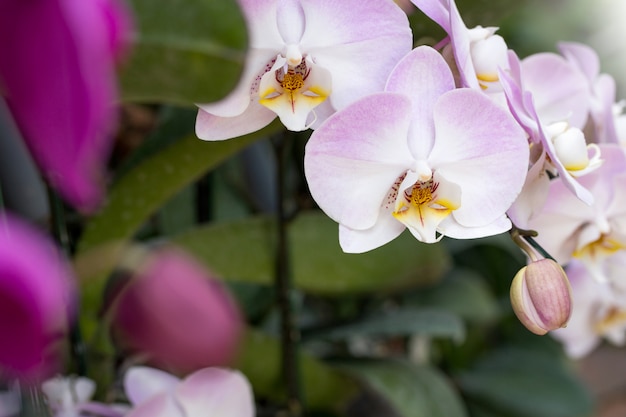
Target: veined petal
210,127
142,383
460,40
216,392
356,156
423,75
261,20
560,92
479,147
358,42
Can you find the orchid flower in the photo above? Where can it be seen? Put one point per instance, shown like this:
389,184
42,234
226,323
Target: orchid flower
556,146
189,298
600,312
421,155
601,89
307,59
478,53
207,392
57,74
36,298
71,397
569,228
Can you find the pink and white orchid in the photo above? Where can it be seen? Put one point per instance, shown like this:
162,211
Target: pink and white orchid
422,155
206,392
478,52
557,146
307,59
599,313
569,228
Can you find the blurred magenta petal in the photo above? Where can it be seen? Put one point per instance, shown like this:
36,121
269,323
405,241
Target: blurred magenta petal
175,311
35,297
57,72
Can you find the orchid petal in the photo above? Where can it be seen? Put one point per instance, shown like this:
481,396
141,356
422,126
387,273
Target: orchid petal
386,229
480,148
451,228
356,156
258,62
343,36
142,383
290,21
161,405
216,392
210,127
66,113
560,91
583,57
262,22
423,75
436,10
460,40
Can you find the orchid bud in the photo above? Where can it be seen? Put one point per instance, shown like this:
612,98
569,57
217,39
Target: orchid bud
541,296
177,313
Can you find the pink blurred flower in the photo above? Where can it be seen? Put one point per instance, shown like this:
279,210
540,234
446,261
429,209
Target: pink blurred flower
207,392
36,291
58,76
178,313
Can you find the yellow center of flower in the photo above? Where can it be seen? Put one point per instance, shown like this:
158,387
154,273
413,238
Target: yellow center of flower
613,318
600,249
292,81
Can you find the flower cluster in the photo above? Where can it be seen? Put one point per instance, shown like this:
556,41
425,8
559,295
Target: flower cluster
465,140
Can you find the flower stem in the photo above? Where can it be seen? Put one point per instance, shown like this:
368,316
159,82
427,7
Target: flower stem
290,335
61,235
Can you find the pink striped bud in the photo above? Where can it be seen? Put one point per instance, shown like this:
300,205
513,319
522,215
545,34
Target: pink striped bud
541,296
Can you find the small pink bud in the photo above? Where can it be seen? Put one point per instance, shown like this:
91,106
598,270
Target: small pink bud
178,314
541,296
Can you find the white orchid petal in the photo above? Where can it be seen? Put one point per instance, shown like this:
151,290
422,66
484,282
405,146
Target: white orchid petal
386,229
142,383
480,148
424,76
216,392
356,156
213,128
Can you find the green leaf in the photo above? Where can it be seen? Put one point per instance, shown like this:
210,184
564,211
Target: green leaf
521,383
184,51
150,184
244,250
324,388
400,322
414,391
462,292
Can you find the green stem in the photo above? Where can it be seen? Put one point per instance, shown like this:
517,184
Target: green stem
61,235
290,335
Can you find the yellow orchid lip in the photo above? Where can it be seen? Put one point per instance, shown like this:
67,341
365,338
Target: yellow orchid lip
422,209
292,92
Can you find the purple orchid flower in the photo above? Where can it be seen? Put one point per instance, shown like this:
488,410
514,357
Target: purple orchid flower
36,299
57,74
422,155
206,392
307,59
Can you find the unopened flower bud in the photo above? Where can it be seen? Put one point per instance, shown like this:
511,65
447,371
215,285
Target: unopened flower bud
541,296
